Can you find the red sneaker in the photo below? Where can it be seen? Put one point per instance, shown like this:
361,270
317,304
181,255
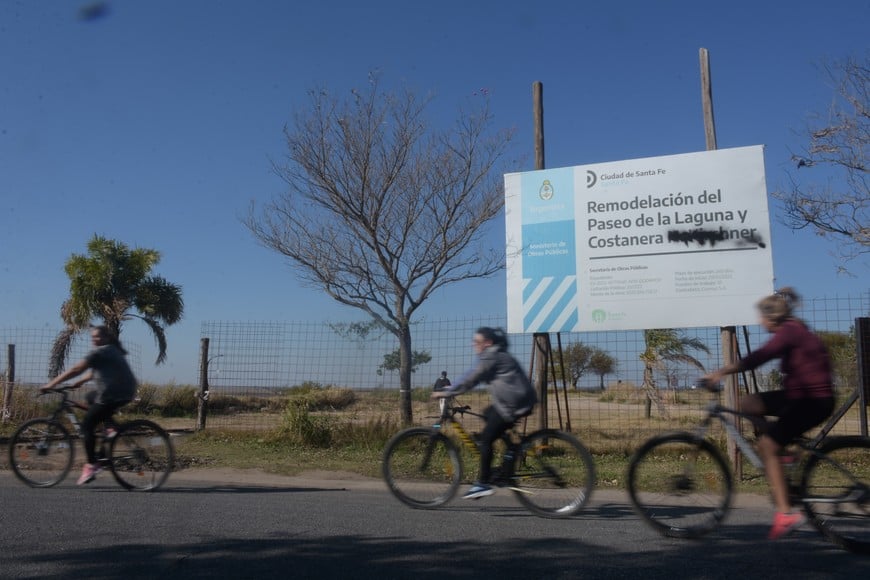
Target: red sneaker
784,524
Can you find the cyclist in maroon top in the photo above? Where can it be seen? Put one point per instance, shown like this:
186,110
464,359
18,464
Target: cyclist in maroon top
806,400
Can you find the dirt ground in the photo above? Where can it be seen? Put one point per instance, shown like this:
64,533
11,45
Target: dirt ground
236,477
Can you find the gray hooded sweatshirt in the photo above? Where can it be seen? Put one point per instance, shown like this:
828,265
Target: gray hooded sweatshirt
513,396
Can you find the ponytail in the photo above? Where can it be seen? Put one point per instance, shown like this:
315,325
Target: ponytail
779,306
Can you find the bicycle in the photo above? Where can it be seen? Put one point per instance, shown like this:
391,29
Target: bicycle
549,471
681,485
139,454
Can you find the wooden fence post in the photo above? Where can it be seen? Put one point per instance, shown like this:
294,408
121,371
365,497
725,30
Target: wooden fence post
8,383
862,334
202,402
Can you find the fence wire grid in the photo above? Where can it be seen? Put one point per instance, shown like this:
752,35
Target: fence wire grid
259,360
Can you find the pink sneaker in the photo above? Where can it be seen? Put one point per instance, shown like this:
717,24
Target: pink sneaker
784,524
89,473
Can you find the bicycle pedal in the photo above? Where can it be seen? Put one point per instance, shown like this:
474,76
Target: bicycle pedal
520,490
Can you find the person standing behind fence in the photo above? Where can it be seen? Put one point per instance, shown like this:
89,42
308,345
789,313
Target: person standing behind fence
116,386
441,383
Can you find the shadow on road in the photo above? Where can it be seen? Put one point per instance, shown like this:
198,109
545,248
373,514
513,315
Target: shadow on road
361,557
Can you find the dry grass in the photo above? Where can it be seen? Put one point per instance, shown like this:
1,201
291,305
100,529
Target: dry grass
332,428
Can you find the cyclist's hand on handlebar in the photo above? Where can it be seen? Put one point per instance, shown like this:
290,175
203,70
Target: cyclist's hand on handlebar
708,382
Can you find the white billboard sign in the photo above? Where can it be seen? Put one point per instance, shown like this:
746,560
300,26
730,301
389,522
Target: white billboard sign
664,242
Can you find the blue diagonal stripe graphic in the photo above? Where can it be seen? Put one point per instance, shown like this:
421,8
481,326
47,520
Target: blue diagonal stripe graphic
550,304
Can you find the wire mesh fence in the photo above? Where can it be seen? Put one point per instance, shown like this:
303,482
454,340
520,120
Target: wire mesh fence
249,366
24,363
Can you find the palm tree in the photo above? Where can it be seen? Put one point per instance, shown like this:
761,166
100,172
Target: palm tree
113,283
664,345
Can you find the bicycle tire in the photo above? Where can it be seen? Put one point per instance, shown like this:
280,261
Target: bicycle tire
421,467
554,474
680,485
41,452
835,492
141,456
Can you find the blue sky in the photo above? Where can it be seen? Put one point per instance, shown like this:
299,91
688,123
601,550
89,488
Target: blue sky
155,124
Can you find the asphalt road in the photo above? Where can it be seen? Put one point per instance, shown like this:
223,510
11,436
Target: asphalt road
231,524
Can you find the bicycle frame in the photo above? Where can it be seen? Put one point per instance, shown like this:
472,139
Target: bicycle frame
460,431
696,494
717,412
67,407
448,418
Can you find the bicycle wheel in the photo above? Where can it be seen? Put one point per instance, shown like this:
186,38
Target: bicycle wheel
680,485
41,452
835,490
422,468
141,455
554,474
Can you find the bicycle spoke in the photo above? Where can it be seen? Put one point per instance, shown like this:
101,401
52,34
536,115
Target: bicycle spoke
554,475
41,453
836,492
141,456
421,468
680,485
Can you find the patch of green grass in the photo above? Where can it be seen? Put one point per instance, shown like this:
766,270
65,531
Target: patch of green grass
273,454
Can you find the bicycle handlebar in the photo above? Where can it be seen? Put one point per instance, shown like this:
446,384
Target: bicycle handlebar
58,389
708,386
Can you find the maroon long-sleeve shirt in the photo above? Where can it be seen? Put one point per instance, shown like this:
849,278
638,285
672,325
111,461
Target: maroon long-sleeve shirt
804,360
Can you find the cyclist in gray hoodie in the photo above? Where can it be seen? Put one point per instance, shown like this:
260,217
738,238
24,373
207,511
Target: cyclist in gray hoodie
511,392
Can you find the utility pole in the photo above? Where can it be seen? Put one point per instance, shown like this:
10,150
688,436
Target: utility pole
727,334
542,347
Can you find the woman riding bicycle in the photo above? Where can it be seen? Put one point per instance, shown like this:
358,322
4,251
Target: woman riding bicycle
513,397
806,400
116,386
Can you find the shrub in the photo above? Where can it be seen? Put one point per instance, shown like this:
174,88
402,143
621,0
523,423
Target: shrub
23,406
626,392
299,426
314,397
178,401
421,394
146,399
373,434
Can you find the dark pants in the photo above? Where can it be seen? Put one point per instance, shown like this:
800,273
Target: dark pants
495,427
796,416
97,413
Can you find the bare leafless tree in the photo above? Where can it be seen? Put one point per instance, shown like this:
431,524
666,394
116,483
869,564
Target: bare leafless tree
382,209
836,203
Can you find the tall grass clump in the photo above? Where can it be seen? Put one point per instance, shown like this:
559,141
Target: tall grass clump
316,397
626,392
371,434
308,418
147,396
299,426
178,401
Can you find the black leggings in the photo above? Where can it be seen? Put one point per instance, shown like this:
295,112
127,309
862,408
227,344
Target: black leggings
796,416
495,427
97,413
